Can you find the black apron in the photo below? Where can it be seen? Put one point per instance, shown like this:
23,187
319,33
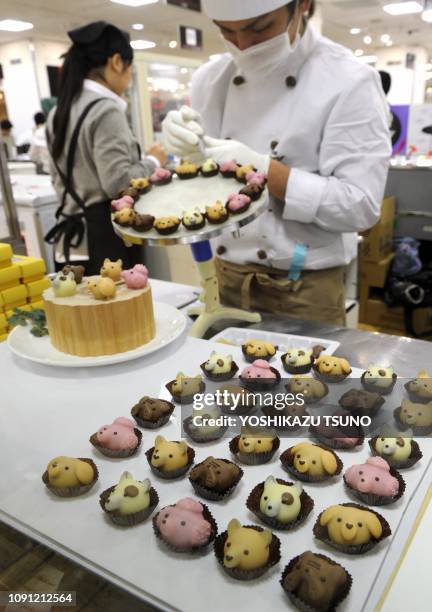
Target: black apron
102,242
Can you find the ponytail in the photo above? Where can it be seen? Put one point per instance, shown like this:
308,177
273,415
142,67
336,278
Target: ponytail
79,62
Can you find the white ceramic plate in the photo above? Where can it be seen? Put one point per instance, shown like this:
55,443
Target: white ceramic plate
170,324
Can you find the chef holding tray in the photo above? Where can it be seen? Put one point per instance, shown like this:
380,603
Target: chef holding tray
311,115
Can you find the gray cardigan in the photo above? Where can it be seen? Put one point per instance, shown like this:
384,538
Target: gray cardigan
107,155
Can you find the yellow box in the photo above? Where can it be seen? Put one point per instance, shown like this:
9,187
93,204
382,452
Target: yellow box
5,254
32,268
10,276
14,297
3,323
36,288
3,337
38,305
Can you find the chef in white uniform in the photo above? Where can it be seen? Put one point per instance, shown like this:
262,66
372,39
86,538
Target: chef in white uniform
311,115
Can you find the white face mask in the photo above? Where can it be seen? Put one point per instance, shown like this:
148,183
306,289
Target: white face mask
265,56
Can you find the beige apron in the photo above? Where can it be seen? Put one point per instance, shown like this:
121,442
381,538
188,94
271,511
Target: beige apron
319,295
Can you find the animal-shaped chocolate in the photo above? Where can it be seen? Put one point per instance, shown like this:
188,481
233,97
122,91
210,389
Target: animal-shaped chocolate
215,474
315,581
124,202
238,203
260,368
252,191
169,456
69,472
124,217
397,448
186,385
379,376
112,269
311,388
351,526
218,364
416,415
142,184
166,225
255,442
161,176
64,285
256,178
421,386
131,192
298,357
246,548
358,399
151,409
349,435
204,421
78,272
102,288
129,495
281,501
119,435
209,167
193,219
372,477
136,277
332,366
216,213
259,349
313,460
143,223
187,168
242,171
183,525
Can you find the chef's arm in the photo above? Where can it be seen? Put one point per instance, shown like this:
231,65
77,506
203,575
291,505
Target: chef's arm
346,193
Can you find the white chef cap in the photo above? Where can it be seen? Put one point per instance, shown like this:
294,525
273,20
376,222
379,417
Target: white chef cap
234,10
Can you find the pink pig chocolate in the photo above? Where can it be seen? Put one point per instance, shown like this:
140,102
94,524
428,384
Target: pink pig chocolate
373,477
238,202
120,435
256,178
183,525
136,277
123,202
259,369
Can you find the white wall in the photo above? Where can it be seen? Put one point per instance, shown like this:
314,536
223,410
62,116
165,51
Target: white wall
408,85
47,53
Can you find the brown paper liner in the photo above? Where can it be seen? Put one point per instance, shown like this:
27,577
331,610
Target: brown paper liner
287,460
416,398
375,389
195,435
252,358
175,473
261,384
191,549
321,533
117,454
184,399
129,520
415,456
253,458
304,369
309,400
378,500
340,594
416,430
331,443
220,377
162,182
166,231
230,174
184,176
328,378
216,495
72,491
218,221
153,424
253,504
239,574
211,173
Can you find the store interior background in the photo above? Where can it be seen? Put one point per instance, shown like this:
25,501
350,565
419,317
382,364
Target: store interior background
400,45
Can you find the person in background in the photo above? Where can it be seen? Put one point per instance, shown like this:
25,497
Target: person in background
311,116
8,138
94,154
38,149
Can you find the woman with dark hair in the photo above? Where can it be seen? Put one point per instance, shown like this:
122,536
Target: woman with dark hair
310,115
94,154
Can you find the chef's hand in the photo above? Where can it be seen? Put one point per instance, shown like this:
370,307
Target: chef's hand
181,130
224,150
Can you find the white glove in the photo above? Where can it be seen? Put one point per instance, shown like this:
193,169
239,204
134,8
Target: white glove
181,131
224,150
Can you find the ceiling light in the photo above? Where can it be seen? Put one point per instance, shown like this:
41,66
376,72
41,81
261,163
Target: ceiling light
137,26
358,52
172,44
215,56
368,59
403,8
427,13
13,25
134,2
355,31
184,70
367,39
141,44
385,38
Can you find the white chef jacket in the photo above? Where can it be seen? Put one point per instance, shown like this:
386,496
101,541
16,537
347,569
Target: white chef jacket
331,129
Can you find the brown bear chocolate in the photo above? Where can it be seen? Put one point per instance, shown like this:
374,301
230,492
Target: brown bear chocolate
215,474
78,272
315,581
364,401
143,223
151,409
252,191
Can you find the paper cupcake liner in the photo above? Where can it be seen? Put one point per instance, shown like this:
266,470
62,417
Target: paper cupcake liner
117,454
252,358
253,458
416,430
415,456
216,495
146,190
159,183
220,377
336,444
230,174
244,575
174,473
184,177
414,397
372,499
328,378
304,369
261,384
167,230
270,411
154,424
375,388
191,549
194,228
184,399
253,504
218,221
72,491
211,173
321,534
287,461
309,400
195,434
131,519
340,594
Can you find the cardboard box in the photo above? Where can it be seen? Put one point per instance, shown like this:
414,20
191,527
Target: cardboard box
375,274
376,312
377,242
